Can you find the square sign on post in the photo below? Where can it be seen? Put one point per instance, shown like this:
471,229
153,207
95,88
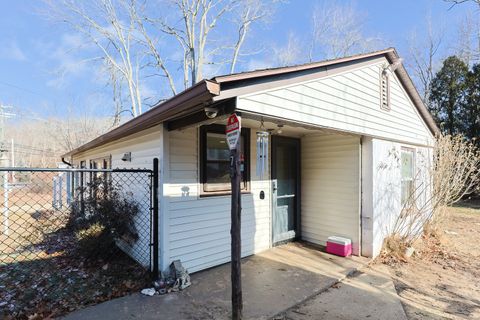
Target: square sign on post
233,131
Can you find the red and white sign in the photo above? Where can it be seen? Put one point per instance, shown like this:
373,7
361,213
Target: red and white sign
233,131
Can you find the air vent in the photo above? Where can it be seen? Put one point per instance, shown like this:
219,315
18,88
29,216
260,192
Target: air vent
385,91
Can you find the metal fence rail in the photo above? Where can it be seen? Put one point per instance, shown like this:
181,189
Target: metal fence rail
73,237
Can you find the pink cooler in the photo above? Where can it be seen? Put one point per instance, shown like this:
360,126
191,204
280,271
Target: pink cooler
339,246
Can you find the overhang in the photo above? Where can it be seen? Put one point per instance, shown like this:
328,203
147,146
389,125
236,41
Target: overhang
206,92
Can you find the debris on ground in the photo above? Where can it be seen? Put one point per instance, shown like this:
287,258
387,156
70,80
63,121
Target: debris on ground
60,281
441,280
451,232
178,279
409,252
148,292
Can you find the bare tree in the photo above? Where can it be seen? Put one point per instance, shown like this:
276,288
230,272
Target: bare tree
40,142
424,55
137,42
442,179
110,27
250,11
455,2
291,53
467,46
338,31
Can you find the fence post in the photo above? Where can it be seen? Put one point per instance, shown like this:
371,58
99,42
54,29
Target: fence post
54,190
82,204
155,219
60,190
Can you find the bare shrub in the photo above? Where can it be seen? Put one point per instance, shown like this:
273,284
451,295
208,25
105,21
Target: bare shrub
101,216
449,175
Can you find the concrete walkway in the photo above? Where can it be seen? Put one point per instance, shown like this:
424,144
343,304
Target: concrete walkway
273,282
368,294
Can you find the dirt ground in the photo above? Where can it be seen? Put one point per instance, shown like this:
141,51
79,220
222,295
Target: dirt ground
445,283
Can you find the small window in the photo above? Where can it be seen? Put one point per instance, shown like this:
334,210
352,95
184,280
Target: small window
407,167
215,160
100,163
385,91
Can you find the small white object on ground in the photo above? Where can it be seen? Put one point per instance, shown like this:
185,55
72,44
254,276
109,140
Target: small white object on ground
450,232
148,291
409,251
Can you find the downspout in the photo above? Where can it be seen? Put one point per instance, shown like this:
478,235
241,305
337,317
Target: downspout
360,242
66,162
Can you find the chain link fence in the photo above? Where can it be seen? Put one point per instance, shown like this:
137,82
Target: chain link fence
72,237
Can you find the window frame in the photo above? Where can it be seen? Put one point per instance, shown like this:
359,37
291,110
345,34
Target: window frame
222,188
106,163
403,200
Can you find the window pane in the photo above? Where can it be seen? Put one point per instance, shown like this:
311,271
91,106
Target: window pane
407,171
216,161
217,148
407,164
218,172
407,191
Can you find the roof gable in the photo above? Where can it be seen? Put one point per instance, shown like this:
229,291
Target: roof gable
227,86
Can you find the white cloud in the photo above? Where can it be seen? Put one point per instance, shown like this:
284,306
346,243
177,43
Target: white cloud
67,57
12,51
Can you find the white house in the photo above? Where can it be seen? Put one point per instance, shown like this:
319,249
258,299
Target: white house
346,137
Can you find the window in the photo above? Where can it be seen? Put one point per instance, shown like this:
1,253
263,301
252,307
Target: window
407,167
215,160
385,91
105,177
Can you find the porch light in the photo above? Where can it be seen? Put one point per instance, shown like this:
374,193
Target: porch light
127,156
279,130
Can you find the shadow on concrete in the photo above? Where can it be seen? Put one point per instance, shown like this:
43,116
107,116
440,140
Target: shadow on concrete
273,281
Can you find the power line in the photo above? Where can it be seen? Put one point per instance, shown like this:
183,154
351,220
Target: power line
23,89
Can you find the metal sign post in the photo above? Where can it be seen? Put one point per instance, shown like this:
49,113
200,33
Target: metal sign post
233,131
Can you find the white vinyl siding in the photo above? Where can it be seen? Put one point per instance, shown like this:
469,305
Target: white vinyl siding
348,102
330,188
199,227
382,188
144,146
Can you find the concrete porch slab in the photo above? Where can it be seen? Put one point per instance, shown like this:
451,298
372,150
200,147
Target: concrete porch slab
272,281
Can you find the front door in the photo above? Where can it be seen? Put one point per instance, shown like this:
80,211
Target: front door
285,188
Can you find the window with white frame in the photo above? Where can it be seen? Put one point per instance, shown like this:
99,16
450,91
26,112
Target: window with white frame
407,171
385,90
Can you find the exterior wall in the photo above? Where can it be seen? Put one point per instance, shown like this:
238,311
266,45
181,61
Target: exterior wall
348,101
331,188
199,227
144,146
382,188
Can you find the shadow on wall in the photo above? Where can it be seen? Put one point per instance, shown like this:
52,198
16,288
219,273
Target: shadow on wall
387,195
199,227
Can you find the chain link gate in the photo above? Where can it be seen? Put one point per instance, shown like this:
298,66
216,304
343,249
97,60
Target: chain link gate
74,237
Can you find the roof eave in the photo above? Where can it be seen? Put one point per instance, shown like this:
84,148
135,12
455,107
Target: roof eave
412,91
199,94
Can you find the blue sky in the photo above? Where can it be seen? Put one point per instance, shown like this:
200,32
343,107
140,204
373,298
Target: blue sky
45,69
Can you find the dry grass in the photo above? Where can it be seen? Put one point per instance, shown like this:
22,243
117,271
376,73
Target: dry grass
441,280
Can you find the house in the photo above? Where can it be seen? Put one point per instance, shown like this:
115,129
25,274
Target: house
346,137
